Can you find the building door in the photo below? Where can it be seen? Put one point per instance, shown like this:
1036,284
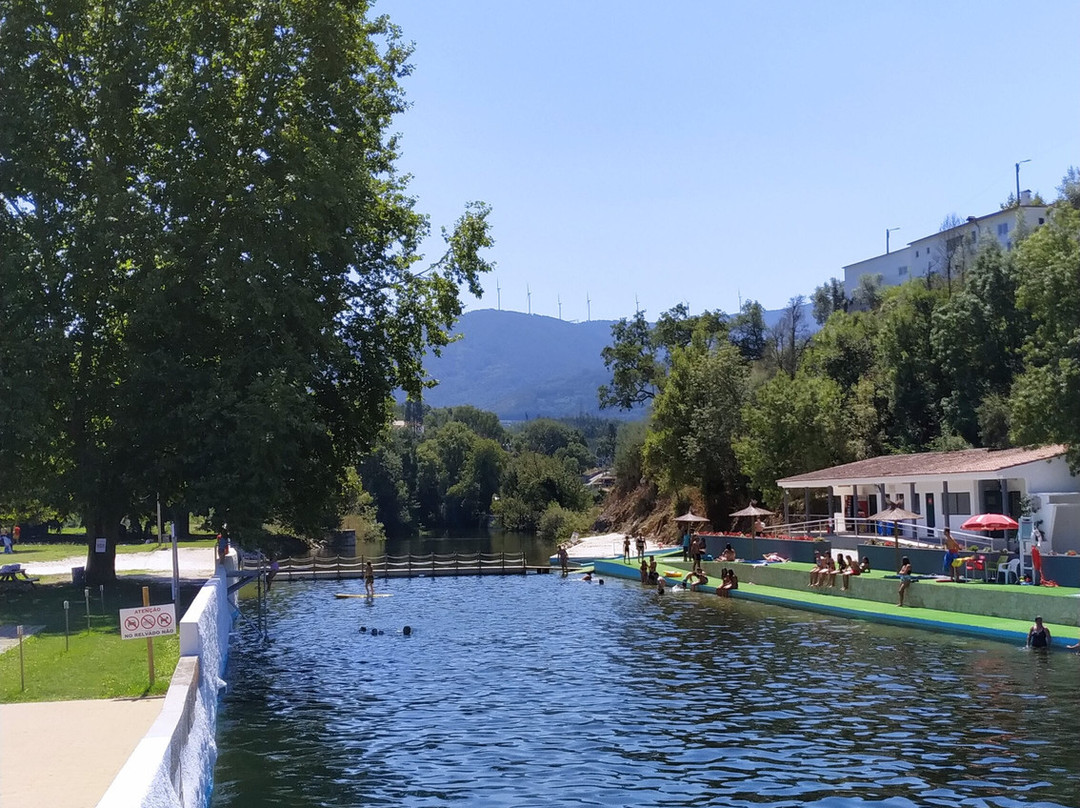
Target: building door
930,510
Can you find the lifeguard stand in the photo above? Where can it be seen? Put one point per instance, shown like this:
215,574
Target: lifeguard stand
1030,536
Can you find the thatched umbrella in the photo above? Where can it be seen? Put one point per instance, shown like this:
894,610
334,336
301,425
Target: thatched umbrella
894,515
752,510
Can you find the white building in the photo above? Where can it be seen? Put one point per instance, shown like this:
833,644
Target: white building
949,251
946,488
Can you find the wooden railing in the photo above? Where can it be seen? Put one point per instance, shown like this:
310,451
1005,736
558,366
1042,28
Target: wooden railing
405,566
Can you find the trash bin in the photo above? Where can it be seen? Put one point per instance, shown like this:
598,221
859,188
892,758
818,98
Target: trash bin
78,576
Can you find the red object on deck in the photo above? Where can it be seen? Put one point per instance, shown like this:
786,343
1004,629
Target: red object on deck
990,521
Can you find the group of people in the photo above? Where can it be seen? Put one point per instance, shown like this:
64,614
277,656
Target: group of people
639,546
693,547
728,581
826,568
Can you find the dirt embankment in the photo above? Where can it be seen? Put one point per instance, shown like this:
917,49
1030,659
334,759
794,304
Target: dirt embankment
644,510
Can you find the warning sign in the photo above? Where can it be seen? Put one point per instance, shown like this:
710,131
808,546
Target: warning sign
147,621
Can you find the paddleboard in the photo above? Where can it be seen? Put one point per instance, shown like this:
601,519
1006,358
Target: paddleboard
349,595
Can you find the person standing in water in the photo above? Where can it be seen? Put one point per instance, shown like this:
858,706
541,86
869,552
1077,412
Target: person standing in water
1038,635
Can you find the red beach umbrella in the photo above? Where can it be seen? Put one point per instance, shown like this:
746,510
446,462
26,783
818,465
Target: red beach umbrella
990,521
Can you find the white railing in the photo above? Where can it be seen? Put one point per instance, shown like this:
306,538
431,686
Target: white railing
908,533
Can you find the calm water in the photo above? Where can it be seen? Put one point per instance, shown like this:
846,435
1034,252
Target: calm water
541,691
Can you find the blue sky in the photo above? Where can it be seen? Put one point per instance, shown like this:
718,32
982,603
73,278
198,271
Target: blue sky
705,152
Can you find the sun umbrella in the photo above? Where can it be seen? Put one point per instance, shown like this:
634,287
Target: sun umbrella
990,521
752,510
690,516
894,514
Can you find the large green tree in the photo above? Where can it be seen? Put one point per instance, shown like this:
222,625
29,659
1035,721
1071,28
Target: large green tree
976,339
1045,396
791,426
639,356
695,420
204,197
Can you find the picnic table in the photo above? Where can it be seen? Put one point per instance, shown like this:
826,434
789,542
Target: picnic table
14,573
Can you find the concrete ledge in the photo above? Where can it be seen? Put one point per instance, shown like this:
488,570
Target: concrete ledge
163,744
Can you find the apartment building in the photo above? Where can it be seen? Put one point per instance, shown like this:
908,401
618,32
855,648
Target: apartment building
948,252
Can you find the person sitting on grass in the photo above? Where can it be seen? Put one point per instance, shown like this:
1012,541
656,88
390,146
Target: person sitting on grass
865,565
851,567
821,566
829,575
730,581
728,554
695,580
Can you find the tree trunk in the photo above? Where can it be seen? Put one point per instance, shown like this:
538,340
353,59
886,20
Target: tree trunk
101,567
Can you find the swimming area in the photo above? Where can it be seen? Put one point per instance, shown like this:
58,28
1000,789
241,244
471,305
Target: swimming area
543,691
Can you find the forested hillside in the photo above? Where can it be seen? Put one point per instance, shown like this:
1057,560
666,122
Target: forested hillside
523,366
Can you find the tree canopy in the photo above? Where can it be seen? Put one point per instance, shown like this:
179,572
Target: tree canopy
213,255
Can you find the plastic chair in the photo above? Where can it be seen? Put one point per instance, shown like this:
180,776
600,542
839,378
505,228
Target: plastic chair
975,564
1009,568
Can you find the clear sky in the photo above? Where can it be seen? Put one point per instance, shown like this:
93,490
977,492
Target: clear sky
707,152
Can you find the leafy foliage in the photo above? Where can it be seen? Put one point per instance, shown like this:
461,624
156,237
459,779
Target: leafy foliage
1045,395
200,204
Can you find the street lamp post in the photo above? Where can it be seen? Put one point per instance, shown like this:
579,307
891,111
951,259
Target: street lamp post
1018,180
887,231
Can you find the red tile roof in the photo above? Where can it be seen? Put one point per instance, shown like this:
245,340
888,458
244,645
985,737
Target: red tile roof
966,462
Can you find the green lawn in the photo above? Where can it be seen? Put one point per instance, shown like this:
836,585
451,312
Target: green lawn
96,665
30,553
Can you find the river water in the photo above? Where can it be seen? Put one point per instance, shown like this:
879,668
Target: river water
543,691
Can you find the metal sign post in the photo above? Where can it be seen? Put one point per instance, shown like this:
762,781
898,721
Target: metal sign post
86,594
67,622
22,672
149,640
101,589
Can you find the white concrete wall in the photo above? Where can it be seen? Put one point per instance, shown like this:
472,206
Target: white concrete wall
173,765
1047,476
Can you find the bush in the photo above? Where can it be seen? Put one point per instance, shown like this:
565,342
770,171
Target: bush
558,523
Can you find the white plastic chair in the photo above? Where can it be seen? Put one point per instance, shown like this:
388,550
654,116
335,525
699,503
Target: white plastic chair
1009,568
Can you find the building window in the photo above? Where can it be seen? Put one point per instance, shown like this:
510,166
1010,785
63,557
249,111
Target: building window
916,253
1003,229
959,503
901,271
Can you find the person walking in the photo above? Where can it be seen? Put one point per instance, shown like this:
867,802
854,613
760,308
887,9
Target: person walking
905,578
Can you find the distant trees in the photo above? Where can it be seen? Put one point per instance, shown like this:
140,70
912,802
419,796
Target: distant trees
827,298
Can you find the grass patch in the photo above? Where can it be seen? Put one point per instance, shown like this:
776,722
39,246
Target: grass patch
95,665
31,553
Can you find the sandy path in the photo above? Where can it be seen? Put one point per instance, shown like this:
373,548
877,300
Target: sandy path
193,561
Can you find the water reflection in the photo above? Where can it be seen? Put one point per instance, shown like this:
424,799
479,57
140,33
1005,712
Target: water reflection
537,551
542,691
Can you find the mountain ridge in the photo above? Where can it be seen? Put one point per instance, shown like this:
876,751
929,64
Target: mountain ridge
523,366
